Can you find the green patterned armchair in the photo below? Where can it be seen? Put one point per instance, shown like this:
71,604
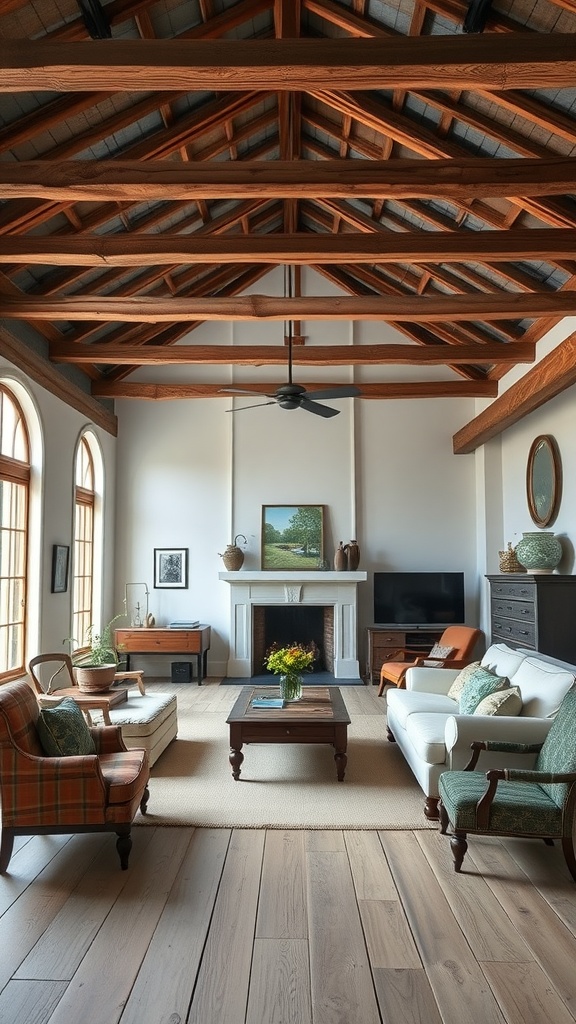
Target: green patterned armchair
539,802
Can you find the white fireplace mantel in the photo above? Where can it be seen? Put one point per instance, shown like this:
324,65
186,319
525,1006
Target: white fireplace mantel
249,588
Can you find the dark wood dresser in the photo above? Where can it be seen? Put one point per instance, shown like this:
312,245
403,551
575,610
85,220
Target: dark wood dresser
535,611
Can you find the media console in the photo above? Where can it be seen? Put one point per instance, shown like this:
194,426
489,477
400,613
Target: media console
384,641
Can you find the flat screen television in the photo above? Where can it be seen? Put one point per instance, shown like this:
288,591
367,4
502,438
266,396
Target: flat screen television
418,598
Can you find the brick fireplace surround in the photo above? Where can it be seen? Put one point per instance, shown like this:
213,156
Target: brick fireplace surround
251,589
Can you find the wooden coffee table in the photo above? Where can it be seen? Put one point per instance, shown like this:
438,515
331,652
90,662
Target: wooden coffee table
319,717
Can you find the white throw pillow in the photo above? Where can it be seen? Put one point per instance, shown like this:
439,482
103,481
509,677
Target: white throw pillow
441,651
502,702
502,660
542,686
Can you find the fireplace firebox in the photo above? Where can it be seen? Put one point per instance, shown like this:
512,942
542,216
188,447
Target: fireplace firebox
286,624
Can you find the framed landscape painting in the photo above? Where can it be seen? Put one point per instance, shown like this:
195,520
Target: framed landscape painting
292,536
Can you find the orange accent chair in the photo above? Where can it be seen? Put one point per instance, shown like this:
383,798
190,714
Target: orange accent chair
460,639
42,795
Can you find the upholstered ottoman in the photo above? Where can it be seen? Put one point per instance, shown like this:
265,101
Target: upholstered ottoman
147,720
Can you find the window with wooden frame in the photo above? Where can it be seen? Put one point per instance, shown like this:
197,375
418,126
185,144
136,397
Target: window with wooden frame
83,580
14,504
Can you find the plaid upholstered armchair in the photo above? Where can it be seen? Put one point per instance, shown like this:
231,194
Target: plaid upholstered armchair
40,794
538,802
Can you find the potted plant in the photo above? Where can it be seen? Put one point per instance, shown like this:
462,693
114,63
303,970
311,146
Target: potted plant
96,663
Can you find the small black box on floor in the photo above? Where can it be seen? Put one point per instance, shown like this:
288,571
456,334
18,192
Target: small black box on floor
181,671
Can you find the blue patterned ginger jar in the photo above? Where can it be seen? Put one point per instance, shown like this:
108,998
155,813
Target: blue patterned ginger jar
539,551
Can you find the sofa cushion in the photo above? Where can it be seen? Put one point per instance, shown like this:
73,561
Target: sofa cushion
479,684
501,702
63,731
462,677
426,734
502,660
404,703
542,686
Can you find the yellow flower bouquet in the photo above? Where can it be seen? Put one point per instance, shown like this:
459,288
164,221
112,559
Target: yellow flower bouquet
288,663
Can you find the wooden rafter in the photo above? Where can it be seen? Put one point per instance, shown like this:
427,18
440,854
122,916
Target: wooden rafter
422,62
420,309
273,355
120,251
133,181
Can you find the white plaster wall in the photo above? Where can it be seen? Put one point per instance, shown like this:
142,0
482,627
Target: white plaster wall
194,474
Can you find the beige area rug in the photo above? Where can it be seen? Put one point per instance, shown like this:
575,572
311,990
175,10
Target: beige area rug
282,786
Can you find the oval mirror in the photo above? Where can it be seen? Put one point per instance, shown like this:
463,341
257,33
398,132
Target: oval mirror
543,480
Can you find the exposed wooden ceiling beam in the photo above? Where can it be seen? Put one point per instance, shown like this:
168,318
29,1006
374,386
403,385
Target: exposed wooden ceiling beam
419,308
553,374
132,180
424,62
404,389
272,355
40,370
305,248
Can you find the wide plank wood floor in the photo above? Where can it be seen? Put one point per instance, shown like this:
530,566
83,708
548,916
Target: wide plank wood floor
256,926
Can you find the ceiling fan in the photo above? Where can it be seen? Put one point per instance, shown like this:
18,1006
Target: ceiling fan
294,396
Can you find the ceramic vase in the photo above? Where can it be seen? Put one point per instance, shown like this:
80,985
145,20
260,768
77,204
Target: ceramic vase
291,687
340,558
352,555
539,551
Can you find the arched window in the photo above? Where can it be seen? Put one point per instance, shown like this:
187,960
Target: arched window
14,504
84,501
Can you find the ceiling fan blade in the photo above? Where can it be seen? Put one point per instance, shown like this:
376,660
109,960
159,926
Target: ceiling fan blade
317,409
243,391
345,391
241,408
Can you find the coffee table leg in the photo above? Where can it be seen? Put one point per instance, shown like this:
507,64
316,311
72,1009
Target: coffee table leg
341,761
236,758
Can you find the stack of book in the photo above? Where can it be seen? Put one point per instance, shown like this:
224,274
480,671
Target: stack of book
268,702
184,624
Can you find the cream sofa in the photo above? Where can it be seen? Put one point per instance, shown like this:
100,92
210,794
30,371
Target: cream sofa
434,737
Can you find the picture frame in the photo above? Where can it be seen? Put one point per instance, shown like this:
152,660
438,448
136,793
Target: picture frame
60,562
543,480
292,537
171,568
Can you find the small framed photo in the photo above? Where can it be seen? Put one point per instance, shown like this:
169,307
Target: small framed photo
60,560
171,568
292,536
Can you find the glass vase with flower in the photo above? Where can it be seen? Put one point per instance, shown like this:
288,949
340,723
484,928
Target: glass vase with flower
288,663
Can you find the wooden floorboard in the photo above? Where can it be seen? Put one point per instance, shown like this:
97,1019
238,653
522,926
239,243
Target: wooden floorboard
255,926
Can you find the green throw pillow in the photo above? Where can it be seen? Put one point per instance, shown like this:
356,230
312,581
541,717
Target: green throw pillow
502,702
462,677
480,684
63,730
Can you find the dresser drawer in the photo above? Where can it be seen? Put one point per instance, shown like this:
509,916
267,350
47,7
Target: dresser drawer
523,633
524,611
521,590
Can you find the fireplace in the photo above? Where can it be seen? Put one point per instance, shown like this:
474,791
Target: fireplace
290,623
332,595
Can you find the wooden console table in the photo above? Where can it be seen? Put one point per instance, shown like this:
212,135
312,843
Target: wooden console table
166,641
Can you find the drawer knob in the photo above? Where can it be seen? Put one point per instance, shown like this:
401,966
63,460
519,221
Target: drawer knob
287,732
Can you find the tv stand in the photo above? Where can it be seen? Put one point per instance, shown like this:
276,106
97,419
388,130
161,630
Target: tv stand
384,641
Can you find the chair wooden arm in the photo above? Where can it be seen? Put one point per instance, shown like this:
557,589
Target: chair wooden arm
500,747
136,674
494,776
